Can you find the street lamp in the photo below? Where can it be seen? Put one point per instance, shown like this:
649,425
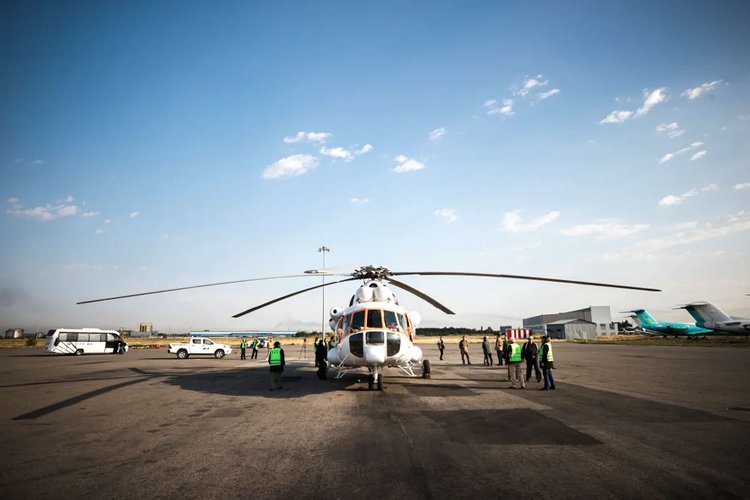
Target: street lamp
323,250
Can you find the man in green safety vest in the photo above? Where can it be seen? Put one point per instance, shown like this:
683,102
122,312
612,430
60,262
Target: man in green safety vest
243,348
547,363
276,362
513,353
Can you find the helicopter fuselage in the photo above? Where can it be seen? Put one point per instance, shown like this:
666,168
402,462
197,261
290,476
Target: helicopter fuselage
374,332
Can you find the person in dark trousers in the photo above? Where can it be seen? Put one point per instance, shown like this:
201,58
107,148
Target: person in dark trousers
463,346
243,348
530,353
441,347
487,350
254,345
315,351
499,349
321,360
276,363
547,362
513,352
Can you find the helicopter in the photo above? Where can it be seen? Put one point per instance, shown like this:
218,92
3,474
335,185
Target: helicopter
374,331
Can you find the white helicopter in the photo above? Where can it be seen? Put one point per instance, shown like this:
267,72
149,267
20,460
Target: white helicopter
374,331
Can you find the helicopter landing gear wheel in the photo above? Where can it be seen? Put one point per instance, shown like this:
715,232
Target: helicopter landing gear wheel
380,383
426,370
370,382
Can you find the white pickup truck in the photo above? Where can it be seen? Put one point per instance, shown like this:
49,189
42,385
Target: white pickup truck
199,345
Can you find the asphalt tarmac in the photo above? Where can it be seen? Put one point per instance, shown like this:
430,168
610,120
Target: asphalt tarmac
624,422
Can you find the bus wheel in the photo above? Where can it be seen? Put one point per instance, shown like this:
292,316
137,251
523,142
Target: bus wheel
79,352
182,354
219,354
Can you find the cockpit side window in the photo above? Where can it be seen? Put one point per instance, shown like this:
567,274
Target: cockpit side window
346,324
358,320
402,321
374,318
390,320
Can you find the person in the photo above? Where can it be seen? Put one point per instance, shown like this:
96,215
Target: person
441,347
499,349
268,347
487,349
315,351
463,346
321,358
243,348
513,353
547,362
530,353
254,346
276,363
332,343
303,351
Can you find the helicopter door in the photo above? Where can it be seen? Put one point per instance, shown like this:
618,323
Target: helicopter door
356,345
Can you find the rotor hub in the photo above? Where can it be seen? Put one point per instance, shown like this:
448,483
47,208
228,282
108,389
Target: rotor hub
372,273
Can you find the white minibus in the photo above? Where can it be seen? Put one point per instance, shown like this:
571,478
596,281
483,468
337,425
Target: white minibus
85,341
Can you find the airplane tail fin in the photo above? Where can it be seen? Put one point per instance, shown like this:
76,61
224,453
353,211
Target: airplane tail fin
706,312
644,317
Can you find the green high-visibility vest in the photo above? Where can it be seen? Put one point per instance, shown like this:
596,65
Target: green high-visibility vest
274,358
550,357
515,353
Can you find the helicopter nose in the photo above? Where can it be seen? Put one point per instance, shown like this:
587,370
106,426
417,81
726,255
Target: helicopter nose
375,354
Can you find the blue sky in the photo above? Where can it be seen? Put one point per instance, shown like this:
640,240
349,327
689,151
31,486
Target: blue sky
150,145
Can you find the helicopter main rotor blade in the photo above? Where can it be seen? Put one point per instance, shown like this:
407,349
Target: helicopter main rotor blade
190,287
289,295
421,295
521,277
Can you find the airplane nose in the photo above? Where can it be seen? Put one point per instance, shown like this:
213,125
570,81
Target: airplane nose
375,354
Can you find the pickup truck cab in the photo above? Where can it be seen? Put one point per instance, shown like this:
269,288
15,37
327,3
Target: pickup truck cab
199,345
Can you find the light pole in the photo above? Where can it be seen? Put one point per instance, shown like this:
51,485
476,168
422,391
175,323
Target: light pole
323,250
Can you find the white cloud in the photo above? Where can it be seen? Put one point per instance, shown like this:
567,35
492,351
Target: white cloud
135,214
513,223
50,211
651,249
448,214
617,117
671,130
490,103
108,221
604,229
90,214
506,109
740,187
674,154
546,95
672,199
337,152
650,99
291,166
404,164
529,84
99,231
359,201
698,91
437,134
364,149
698,154
302,136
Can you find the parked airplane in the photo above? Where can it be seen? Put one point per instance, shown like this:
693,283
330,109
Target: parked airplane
653,327
708,315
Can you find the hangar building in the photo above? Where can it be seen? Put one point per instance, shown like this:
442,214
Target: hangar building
571,329
599,315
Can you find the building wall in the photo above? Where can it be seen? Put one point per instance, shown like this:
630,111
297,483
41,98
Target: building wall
600,315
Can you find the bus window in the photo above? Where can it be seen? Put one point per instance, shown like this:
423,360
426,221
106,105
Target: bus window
374,318
390,320
69,337
358,320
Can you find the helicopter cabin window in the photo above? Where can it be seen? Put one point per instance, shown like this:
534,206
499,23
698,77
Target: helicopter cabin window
393,343
375,337
391,322
356,346
358,321
374,318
